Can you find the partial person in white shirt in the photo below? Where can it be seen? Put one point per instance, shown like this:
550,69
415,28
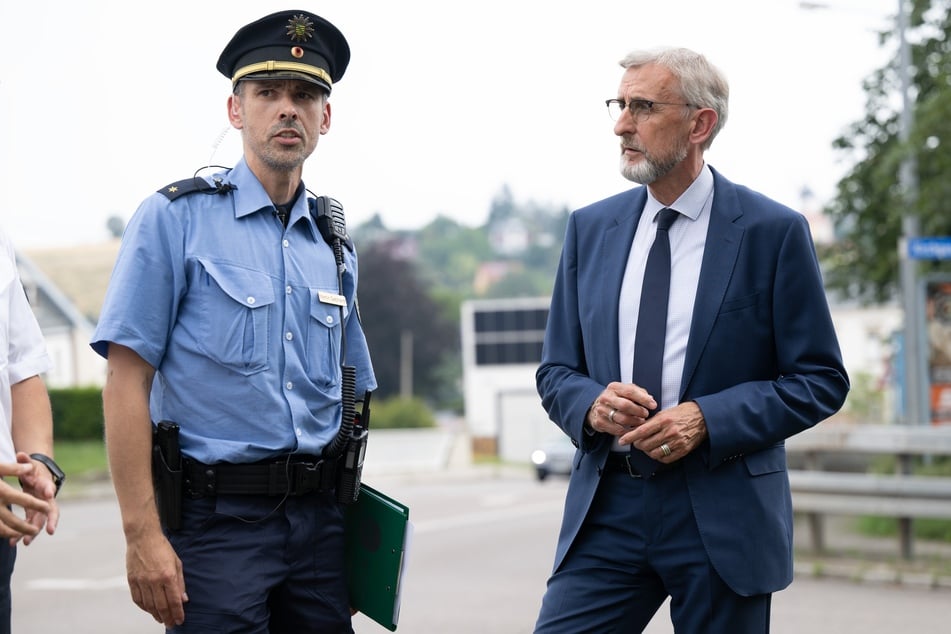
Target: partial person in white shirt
26,427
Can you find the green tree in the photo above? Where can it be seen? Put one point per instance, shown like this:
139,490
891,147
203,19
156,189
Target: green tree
503,206
452,253
417,281
394,302
869,204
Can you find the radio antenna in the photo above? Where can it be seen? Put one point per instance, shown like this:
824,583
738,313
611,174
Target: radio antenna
217,143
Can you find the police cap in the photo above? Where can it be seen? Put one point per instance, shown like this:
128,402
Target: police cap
287,45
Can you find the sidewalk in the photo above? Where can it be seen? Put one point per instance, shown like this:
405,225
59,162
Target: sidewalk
866,559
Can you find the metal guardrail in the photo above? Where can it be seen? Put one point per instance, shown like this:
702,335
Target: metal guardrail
883,439
821,492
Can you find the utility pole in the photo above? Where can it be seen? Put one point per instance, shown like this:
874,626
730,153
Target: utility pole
406,364
916,409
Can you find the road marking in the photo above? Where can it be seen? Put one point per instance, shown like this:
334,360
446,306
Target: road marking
487,517
109,583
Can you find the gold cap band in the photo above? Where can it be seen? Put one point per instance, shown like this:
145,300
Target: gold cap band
277,66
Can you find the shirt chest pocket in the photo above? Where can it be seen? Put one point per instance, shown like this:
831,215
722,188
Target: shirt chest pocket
236,305
323,341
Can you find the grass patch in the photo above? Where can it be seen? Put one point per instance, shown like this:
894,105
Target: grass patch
81,459
924,528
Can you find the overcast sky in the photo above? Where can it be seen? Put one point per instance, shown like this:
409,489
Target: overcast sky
103,102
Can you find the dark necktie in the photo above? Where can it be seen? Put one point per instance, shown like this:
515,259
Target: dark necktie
652,327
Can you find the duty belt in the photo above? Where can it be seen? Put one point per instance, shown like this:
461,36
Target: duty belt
288,476
619,462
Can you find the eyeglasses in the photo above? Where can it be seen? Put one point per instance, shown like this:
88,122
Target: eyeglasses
640,109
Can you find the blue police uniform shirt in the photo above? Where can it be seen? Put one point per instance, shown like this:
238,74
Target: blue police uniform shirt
237,316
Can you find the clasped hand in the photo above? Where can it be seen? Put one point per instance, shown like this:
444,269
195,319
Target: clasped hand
36,498
622,410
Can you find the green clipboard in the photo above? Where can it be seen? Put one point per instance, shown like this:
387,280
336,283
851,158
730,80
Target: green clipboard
377,536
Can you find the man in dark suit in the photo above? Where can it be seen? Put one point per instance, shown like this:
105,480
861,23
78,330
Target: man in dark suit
679,486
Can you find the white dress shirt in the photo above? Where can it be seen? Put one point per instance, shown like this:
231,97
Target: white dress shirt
687,238
22,347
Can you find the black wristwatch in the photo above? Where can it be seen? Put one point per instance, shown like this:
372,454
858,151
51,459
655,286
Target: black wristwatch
58,475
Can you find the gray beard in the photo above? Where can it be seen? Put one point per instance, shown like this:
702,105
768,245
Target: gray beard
652,169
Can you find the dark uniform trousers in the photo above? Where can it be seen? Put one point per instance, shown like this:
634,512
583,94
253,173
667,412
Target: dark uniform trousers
8,557
639,544
258,564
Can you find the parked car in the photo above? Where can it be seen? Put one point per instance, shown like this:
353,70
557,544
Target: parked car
554,458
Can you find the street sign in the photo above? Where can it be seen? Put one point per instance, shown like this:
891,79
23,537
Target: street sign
932,248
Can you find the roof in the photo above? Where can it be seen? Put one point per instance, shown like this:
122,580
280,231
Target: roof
80,273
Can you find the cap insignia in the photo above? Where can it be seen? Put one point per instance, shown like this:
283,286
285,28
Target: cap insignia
300,28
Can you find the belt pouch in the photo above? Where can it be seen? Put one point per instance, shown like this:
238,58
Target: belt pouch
168,491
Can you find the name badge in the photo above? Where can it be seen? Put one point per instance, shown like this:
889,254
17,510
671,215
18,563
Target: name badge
331,298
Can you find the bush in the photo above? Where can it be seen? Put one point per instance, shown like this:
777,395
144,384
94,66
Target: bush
77,413
398,413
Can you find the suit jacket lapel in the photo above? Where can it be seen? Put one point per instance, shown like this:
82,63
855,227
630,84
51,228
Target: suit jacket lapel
724,237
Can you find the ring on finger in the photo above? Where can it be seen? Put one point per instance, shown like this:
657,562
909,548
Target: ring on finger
611,415
666,449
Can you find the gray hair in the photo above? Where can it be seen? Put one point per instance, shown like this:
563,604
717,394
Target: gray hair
701,83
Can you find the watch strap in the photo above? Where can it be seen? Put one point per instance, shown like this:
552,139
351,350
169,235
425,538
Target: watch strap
59,476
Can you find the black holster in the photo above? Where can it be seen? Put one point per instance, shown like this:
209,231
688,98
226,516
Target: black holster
167,474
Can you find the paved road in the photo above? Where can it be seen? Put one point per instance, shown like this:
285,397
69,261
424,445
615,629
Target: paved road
482,550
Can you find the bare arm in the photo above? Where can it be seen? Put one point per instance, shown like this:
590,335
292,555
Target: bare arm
154,570
32,431
32,417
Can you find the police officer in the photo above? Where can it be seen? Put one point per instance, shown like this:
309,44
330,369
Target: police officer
226,315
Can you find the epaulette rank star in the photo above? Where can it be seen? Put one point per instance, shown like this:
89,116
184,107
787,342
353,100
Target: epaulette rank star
191,186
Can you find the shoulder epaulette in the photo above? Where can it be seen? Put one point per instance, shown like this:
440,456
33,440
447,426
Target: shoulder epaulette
191,186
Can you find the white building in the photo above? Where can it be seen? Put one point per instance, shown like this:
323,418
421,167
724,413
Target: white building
501,349
66,328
